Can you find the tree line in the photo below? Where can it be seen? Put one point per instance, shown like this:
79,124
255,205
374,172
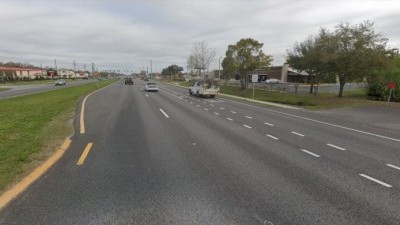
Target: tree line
349,53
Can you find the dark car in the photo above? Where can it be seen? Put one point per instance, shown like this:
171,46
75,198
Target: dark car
128,81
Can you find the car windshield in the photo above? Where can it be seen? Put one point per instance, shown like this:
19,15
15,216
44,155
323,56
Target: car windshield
267,112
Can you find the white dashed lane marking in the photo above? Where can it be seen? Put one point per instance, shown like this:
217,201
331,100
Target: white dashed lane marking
310,153
393,166
376,180
298,134
247,126
337,147
216,113
165,114
249,117
230,119
222,108
273,137
233,112
269,124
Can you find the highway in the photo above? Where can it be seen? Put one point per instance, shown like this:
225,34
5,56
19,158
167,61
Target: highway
20,90
171,158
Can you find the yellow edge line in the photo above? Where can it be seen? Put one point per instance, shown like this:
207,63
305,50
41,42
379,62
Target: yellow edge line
17,189
84,154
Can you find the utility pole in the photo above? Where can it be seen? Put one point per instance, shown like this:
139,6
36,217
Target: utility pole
219,68
55,64
92,69
74,63
84,67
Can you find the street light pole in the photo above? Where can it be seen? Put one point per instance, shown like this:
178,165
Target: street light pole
219,68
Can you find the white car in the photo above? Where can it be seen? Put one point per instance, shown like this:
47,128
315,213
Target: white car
151,87
272,81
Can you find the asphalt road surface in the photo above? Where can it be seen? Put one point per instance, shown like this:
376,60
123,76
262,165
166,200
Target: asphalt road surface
19,90
170,158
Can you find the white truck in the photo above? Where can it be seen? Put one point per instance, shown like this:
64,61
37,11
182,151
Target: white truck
202,88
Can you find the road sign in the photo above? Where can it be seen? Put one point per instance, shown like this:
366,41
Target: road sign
392,85
254,78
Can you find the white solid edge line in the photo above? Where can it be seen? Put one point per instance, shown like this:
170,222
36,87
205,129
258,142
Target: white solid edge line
165,114
229,119
393,166
247,126
298,134
337,147
376,180
317,121
273,137
310,153
269,124
249,117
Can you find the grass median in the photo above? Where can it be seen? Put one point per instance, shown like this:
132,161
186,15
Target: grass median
33,126
313,102
4,89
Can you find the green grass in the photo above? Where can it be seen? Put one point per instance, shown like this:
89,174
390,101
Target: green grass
4,89
313,102
33,126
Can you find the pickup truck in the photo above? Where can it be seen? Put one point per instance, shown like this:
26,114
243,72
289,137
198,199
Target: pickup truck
202,88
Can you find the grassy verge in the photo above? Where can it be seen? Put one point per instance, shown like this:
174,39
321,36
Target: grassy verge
33,126
4,89
314,102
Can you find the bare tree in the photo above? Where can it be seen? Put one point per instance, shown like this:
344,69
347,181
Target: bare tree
201,56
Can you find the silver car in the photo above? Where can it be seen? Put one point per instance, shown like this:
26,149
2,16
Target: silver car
151,87
60,82
272,81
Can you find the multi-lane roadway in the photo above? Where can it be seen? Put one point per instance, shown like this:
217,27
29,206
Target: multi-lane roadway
171,158
19,90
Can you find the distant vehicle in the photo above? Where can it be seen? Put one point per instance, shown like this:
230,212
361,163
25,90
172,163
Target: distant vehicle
146,79
151,87
272,81
128,80
202,88
60,82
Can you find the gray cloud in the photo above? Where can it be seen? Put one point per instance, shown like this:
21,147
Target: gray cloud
128,34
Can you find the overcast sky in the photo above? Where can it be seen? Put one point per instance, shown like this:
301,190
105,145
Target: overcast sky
126,35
